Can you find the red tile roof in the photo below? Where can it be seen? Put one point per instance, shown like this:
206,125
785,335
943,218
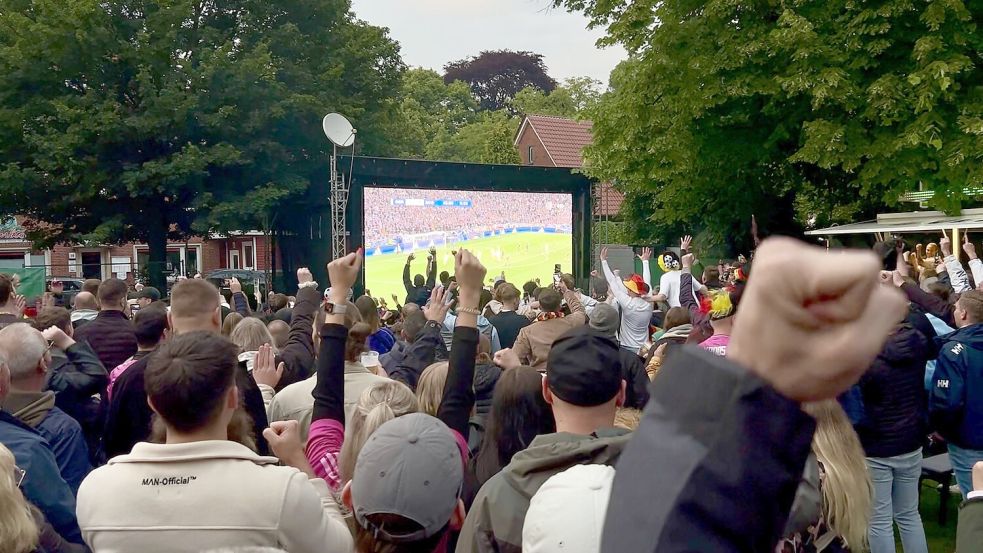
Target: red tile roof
564,139
608,199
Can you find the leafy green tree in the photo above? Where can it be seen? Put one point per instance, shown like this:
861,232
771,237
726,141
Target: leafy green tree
487,140
573,97
804,113
147,120
428,107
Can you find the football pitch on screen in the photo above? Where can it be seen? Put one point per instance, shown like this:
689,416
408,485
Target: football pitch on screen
523,257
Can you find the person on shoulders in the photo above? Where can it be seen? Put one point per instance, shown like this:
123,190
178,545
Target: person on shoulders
534,342
162,496
507,321
636,311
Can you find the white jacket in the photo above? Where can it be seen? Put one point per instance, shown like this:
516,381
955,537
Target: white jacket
206,495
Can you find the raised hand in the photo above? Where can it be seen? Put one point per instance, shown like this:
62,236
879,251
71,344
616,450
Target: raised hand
812,337
604,254
469,271
265,370
410,258
436,309
20,304
945,244
969,247
507,359
343,273
58,337
688,260
234,285
646,254
304,275
284,440
685,242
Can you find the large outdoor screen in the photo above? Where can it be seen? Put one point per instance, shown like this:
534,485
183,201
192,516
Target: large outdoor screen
523,234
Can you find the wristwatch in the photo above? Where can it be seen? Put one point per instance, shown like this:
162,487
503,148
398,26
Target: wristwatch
334,308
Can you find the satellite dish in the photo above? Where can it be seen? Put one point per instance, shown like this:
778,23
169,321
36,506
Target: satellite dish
338,130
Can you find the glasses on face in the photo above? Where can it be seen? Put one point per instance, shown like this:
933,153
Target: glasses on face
51,343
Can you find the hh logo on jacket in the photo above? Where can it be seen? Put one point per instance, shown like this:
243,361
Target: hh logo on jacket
957,349
943,384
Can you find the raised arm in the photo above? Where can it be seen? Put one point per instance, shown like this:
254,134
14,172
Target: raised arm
646,268
617,287
422,352
407,283
328,418
957,275
89,377
432,269
239,300
975,265
298,352
458,401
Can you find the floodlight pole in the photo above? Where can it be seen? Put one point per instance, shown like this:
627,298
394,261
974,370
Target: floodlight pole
339,205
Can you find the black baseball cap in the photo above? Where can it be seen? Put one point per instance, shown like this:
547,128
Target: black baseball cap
584,367
149,292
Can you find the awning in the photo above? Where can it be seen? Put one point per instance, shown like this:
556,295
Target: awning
908,223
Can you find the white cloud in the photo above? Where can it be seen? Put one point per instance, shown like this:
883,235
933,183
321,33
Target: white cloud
434,32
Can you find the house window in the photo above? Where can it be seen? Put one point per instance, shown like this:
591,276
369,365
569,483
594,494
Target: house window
529,156
247,256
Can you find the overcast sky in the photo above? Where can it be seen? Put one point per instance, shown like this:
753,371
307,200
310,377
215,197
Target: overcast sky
434,32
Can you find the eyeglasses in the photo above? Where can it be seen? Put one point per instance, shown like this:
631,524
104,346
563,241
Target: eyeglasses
51,344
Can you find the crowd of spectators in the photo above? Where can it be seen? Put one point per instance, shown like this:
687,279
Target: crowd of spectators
738,410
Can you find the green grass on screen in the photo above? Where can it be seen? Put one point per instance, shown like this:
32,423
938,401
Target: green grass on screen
523,257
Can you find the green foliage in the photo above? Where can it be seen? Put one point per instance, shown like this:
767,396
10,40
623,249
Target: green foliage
487,140
575,96
803,112
133,120
429,107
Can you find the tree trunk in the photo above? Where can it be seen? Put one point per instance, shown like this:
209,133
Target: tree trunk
157,244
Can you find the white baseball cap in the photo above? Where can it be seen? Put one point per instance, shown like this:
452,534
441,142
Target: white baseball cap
567,513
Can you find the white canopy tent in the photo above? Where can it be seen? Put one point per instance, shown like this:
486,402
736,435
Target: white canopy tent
916,222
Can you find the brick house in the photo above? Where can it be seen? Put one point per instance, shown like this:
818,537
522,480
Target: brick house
248,250
548,141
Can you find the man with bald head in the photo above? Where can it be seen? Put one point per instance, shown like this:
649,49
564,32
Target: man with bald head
26,351
195,306
86,309
280,331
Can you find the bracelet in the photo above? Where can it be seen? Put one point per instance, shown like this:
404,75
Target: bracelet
469,310
308,284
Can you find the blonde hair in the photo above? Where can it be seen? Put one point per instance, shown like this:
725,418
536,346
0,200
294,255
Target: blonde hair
250,334
627,418
430,389
377,405
847,490
18,530
231,321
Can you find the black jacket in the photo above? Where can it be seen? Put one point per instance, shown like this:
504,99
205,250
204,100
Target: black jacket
129,418
419,355
419,295
730,452
508,324
111,336
636,379
298,353
894,399
75,376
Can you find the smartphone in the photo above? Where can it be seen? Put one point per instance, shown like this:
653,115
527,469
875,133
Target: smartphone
556,274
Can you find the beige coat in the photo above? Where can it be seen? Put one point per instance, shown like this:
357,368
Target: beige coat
205,495
295,402
535,341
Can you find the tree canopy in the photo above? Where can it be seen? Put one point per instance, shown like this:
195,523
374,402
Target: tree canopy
495,77
142,120
804,113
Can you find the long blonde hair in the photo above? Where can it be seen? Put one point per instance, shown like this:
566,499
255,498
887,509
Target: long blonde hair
18,531
430,389
377,405
847,490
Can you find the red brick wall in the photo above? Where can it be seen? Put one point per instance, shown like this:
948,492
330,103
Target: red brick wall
528,138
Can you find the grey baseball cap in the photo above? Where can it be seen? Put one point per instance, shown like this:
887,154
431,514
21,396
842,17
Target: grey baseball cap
605,319
411,467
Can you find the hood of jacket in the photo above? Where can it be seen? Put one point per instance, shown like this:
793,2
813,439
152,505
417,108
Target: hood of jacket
680,332
30,407
906,344
485,378
971,335
549,454
84,315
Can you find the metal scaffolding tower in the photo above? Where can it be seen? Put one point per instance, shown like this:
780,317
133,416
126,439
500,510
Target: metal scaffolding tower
339,205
